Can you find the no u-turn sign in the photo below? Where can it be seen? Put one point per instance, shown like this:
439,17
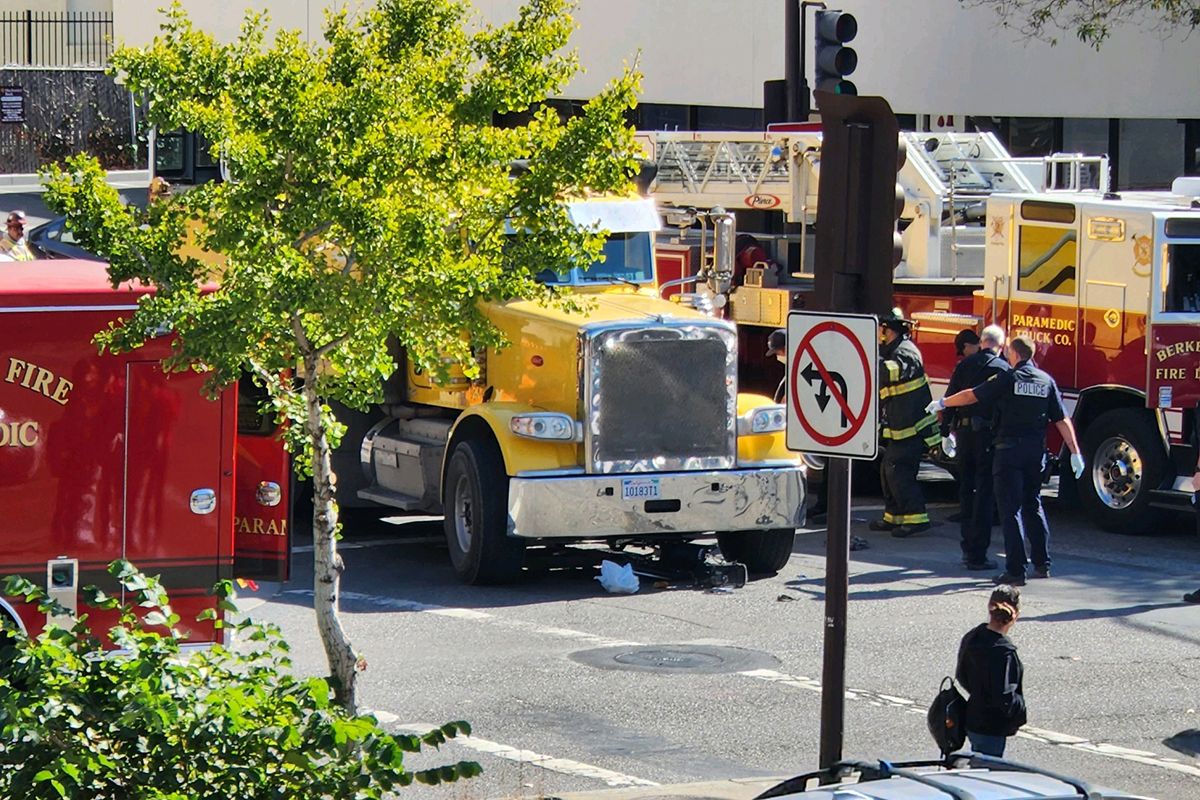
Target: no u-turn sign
832,396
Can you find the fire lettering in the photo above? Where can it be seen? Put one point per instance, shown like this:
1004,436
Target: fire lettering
18,434
38,379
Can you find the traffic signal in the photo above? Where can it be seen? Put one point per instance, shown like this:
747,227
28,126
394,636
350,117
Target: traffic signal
834,61
858,205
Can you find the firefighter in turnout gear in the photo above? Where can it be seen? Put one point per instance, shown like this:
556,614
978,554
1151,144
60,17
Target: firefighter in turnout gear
907,429
1028,400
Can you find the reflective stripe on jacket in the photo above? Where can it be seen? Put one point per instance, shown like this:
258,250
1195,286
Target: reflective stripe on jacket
904,394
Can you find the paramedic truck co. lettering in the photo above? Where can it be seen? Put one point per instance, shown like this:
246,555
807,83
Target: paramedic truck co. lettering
105,457
1106,284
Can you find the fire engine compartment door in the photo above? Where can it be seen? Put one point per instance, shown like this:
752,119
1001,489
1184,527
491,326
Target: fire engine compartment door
179,482
1044,303
1173,374
262,533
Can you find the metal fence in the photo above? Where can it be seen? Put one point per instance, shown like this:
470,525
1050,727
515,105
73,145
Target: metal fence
56,38
58,112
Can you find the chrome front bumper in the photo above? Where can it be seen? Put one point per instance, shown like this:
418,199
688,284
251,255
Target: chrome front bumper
596,506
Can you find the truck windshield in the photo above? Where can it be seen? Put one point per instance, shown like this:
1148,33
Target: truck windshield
626,260
1183,288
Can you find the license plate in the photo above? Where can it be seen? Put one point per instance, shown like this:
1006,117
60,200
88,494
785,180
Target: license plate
639,489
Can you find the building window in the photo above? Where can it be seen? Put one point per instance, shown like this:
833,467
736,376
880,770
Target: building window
663,117
1034,136
1086,136
1047,260
727,118
1151,153
1191,147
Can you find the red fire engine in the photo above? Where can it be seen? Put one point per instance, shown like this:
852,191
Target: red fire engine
1107,284
105,456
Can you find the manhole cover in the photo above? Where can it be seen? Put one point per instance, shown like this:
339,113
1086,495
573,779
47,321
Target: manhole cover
676,658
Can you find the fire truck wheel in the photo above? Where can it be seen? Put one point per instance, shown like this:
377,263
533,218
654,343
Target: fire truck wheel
476,506
763,552
1125,460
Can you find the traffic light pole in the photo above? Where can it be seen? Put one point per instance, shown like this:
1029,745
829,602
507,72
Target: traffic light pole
799,100
837,590
855,256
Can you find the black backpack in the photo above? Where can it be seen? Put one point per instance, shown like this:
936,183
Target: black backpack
947,718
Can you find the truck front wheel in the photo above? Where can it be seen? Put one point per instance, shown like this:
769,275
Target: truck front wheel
1125,460
763,552
475,499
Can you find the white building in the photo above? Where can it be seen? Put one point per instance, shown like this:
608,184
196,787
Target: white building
705,61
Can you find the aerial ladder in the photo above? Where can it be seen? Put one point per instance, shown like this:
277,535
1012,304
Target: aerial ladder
946,177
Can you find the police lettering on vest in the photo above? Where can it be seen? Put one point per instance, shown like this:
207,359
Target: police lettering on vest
1031,389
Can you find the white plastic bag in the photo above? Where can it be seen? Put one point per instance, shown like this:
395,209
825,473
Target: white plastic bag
617,578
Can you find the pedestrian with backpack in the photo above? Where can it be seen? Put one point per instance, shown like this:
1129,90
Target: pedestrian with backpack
991,672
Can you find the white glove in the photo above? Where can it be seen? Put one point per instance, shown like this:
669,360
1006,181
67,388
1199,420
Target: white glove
935,406
949,445
1077,465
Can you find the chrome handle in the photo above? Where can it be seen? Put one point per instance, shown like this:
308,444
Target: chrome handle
204,501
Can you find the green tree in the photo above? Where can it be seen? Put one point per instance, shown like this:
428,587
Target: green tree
369,200
230,723
1092,21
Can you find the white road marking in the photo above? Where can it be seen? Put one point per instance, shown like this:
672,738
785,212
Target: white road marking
398,604
874,698
565,766
1042,735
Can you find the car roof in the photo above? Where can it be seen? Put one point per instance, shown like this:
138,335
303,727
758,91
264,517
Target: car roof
961,776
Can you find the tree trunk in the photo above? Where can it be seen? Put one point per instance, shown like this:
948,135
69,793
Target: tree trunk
327,563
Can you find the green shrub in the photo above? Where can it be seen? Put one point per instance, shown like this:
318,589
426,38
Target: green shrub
154,722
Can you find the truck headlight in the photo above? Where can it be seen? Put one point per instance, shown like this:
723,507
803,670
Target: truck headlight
766,419
544,425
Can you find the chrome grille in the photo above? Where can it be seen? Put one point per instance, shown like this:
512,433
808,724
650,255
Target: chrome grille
661,397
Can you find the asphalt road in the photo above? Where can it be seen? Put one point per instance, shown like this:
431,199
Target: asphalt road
1110,651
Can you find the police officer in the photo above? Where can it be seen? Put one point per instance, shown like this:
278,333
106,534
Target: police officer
970,430
908,429
1027,400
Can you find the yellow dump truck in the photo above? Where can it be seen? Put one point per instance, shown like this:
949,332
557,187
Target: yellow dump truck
620,423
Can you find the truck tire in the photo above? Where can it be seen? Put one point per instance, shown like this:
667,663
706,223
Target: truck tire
763,552
475,498
1124,460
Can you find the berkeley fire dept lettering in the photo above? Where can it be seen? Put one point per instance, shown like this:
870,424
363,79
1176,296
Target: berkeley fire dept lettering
38,379
1177,349
1031,389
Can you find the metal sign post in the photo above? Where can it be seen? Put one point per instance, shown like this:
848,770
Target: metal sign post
833,405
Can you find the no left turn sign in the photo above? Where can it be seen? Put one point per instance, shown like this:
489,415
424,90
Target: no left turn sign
832,396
